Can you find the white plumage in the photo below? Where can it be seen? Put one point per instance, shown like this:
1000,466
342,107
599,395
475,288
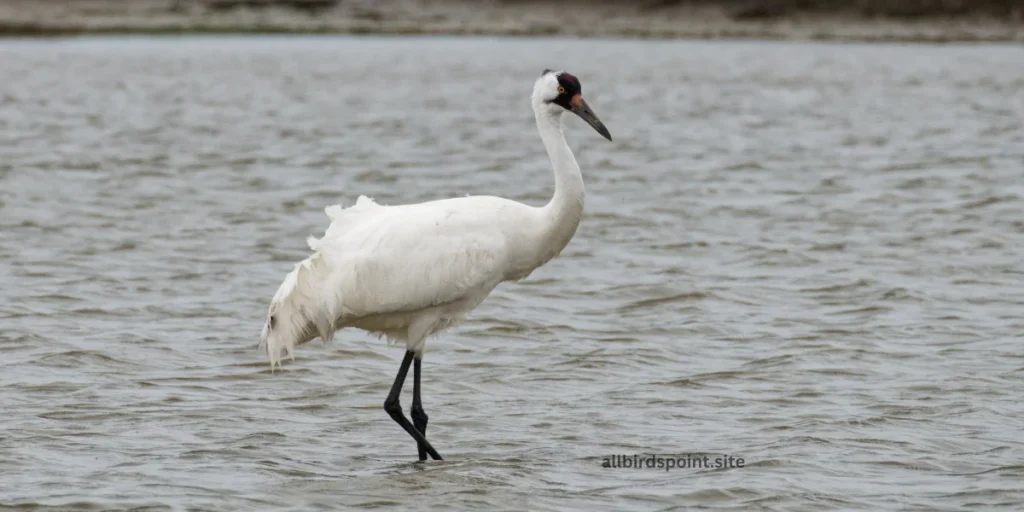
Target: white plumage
409,271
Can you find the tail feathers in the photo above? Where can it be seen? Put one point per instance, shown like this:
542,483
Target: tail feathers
303,299
310,294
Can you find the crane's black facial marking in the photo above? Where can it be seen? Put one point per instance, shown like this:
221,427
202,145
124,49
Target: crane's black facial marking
569,86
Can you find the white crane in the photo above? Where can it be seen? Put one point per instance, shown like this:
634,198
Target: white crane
408,271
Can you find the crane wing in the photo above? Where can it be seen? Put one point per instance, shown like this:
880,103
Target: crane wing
410,257
376,260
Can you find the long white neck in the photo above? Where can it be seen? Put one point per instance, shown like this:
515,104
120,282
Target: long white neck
563,213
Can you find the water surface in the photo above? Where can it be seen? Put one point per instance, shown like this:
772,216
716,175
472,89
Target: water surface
804,255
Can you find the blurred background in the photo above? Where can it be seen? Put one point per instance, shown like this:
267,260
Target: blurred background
932,20
803,249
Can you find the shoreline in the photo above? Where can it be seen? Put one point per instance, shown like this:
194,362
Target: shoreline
43,19
720,33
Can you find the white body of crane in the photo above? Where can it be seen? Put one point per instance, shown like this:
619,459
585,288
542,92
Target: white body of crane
408,271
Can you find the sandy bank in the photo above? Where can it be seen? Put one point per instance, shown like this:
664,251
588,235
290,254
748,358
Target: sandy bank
668,20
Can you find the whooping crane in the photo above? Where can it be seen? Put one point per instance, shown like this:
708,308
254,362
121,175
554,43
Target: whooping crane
408,271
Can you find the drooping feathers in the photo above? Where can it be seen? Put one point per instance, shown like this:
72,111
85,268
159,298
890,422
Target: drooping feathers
302,300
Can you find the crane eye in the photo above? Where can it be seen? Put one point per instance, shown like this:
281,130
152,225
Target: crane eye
561,90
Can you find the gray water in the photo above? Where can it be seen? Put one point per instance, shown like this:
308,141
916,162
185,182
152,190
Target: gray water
807,256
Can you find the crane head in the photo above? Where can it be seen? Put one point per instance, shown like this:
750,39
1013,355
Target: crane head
561,89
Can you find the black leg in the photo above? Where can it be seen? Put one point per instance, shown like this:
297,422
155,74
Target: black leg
419,417
394,408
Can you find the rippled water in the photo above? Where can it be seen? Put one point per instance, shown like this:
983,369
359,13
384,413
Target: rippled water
804,255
